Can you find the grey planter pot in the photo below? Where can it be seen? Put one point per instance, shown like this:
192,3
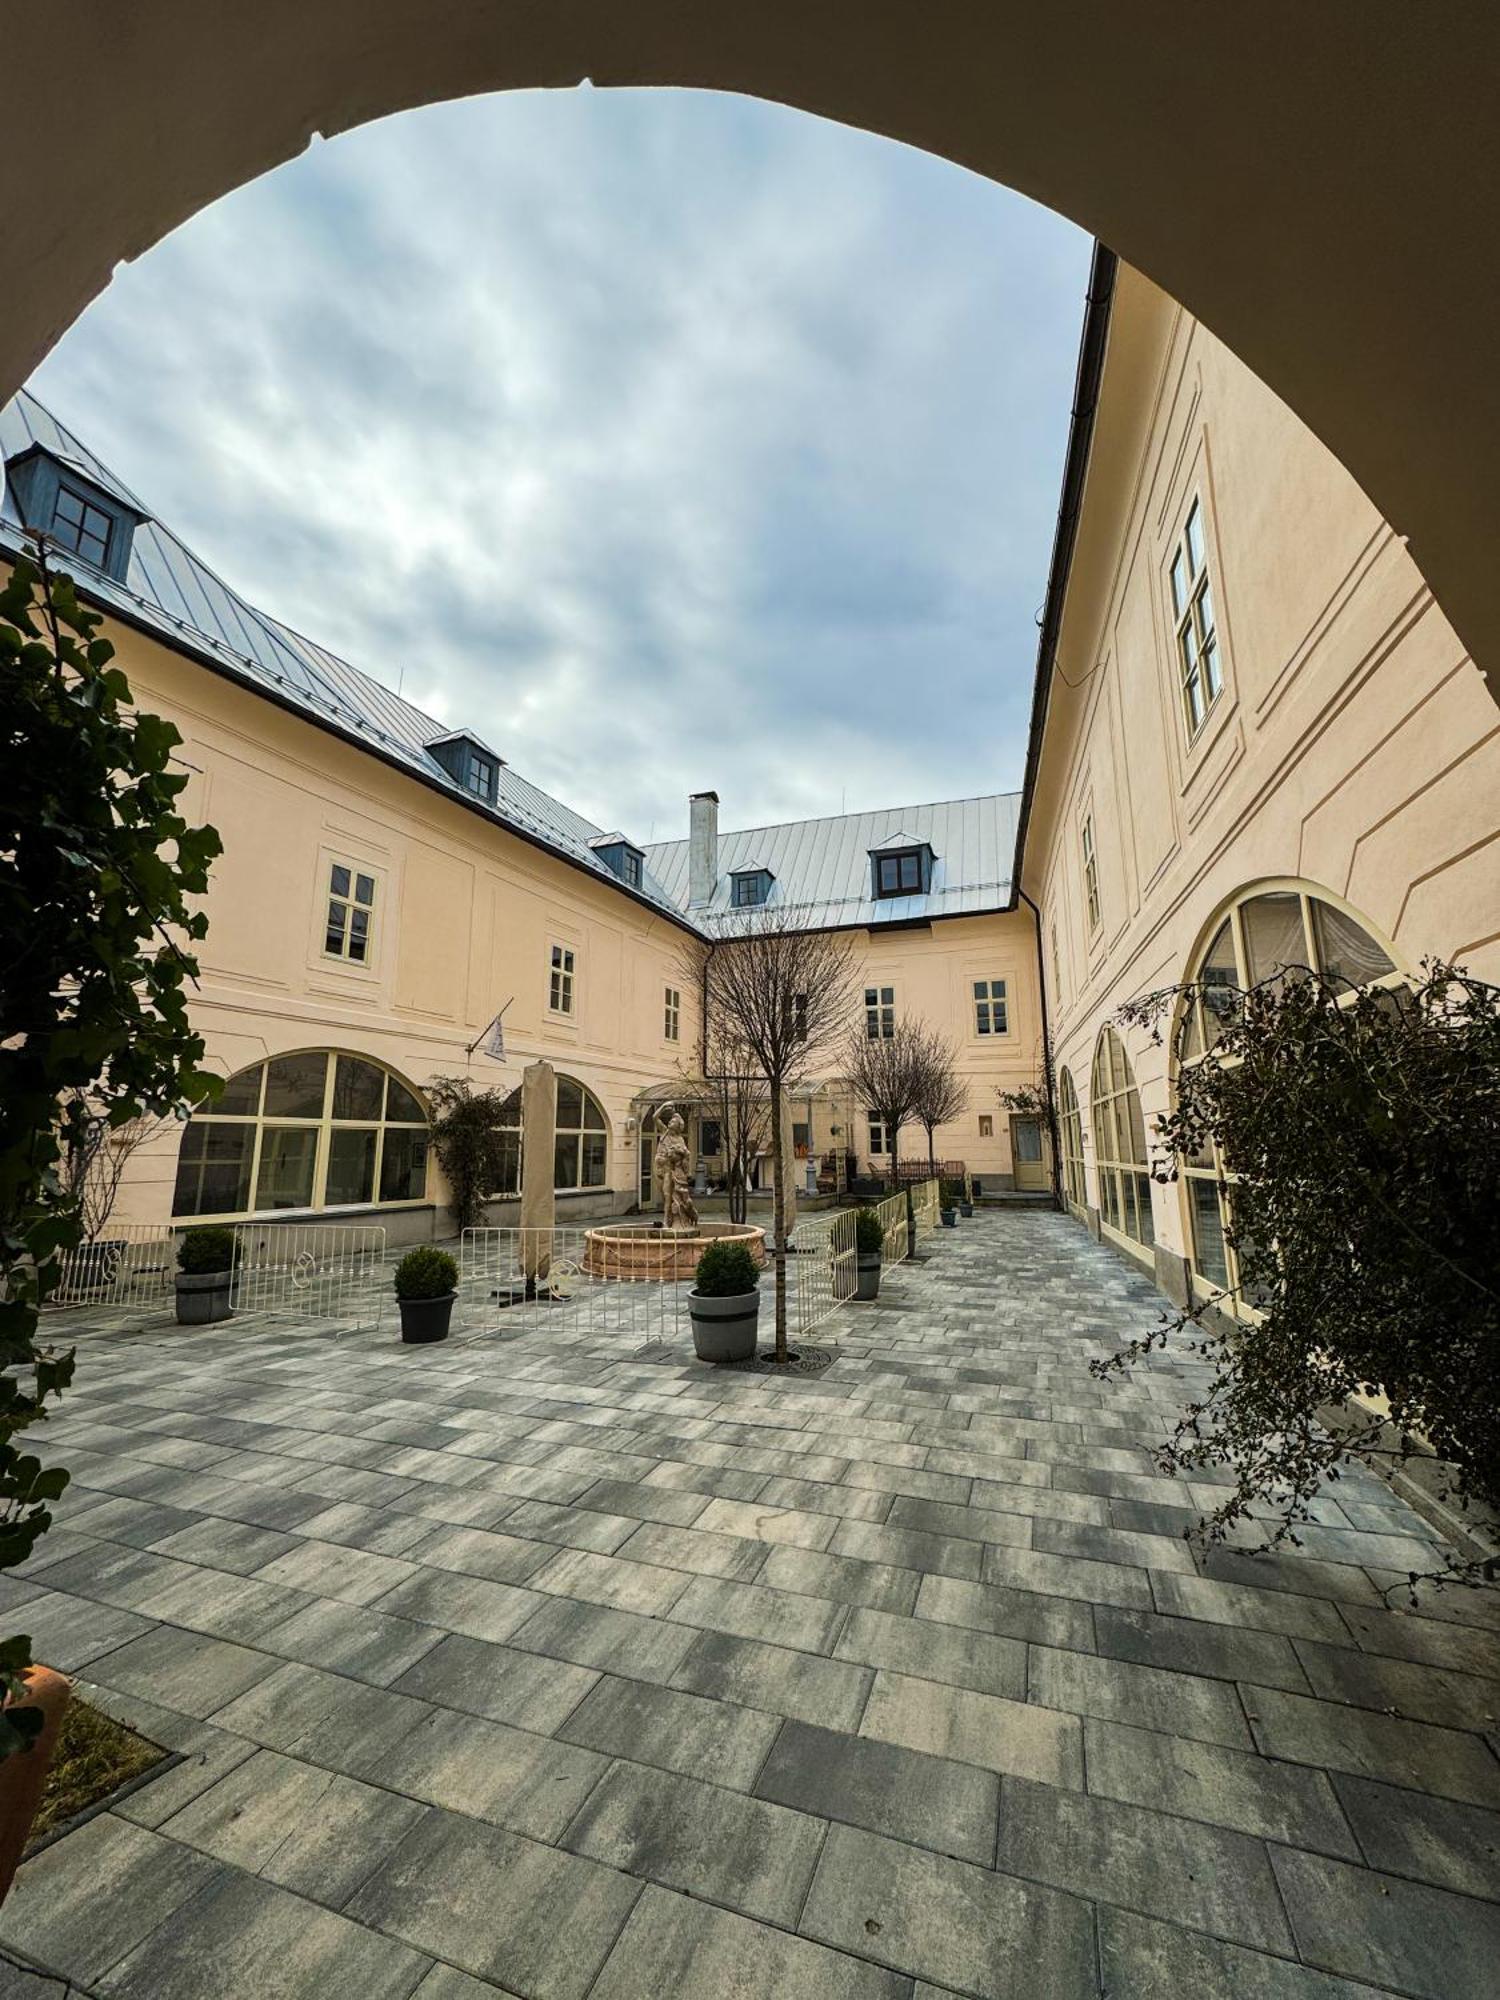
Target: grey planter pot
867,1285
202,1297
426,1319
724,1329
950,1218
966,1210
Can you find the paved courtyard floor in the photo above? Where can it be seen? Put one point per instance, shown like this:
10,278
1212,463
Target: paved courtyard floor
534,1667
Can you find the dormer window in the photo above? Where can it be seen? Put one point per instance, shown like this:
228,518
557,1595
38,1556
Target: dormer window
750,887
901,867
470,765
62,499
621,858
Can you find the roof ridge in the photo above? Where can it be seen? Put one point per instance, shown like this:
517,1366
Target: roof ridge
826,819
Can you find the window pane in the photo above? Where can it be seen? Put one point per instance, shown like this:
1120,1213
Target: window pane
351,1166
69,507
1206,612
401,1106
241,1094
593,1159
334,938
1027,1135
1345,951
339,880
569,1104
287,1158
213,1169
1273,933
1208,1232
1145,1231
294,1086
403,1165
1195,538
911,872
593,1117
1219,978
364,889
508,1160
565,1160
358,1088
888,873
1179,584
1212,679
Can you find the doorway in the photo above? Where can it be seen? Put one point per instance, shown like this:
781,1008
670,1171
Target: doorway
1028,1153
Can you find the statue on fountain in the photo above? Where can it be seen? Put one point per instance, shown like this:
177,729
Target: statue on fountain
672,1171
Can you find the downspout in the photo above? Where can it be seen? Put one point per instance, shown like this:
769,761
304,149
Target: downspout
1047,1090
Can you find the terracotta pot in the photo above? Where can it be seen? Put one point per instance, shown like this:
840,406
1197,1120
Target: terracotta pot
22,1775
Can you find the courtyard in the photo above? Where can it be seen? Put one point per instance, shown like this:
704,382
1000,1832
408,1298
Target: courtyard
541,1665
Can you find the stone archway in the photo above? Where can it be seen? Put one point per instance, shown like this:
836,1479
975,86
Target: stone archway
1320,185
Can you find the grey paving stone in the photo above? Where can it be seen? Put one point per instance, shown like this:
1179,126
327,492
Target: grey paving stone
465,1763
695,1550
678,1509
759,1522
1293,1573
502,1558
930,1801
908,1548
1433,1840
843,1579
183,1670
352,1639
674,1730
1202,1876
726,1480
1390,1932
1150,1697
85,1901
457,1603
829,1693
446,1982
1232,1788
1425,1694
260,1939
814,1496
234,1545
749,1611
951,1653
569,1527
328,1569
968,1523
1189,1646
593,1635
1406,1635
1008,1612
1114,1545
673,1945
1418,1755
299,1706
247,1815
1239,1604
980,1729
1141,1959
503,1683
1043,1503
356,1527
948,1922
717,1845
1068,1576
874,1477
623,1586
69,1633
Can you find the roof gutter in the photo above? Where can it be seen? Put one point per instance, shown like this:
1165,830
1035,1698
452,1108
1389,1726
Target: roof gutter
1091,349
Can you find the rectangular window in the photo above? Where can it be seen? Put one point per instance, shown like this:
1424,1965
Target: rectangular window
900,874
878,1147
1199,667
880,1012
751,888
632,868
986,1125
989,1007
81,526
560,992
1090,872
481,776
672,1026
350,931
799,1016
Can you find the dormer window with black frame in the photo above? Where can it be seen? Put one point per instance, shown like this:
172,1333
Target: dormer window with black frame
621,858
469,764
60,499
749,887
901,867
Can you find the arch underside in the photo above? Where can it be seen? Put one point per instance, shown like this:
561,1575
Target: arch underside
1320,186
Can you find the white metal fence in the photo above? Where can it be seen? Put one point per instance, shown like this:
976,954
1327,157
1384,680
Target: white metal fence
315,1270
608,1278
130,1268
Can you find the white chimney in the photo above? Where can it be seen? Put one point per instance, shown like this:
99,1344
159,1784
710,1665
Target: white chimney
703,848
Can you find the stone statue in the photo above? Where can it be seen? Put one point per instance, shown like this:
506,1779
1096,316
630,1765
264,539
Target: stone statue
671,1171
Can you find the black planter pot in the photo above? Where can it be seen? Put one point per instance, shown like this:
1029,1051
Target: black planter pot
966,1210
426,1319
724,1329
950,1218
202,1297
868,1266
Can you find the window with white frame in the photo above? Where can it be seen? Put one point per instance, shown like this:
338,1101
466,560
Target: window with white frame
1120,1156
880,1012
560,987
350,930
1071,1121
672,1026
580,1141
1090,871
1200,670
878,1146
989,1007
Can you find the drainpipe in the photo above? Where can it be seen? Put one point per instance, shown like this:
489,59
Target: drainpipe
1047,1089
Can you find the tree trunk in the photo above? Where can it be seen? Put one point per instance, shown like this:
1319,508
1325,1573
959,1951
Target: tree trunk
931,1155
778,1236
895,1159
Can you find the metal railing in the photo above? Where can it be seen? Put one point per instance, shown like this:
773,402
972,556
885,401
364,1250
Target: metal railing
317,1270
896,1244
823,1269
603,1280
131,1266
926,1203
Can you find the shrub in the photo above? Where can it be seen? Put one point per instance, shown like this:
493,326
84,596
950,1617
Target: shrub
725,1270
869,1232
204,1250
426,1273
953,1193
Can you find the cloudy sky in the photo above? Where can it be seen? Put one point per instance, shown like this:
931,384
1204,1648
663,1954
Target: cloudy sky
670,440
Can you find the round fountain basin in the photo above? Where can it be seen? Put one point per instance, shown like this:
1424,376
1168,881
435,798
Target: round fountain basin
671,1254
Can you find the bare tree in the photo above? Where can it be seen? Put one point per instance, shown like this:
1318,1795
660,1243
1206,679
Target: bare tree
885,1074
942,1094
742,1103
94,1159
782,998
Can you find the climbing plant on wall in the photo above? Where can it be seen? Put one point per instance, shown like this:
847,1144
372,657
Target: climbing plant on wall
97,869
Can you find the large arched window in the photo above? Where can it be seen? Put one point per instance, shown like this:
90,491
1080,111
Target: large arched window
1266,931
1071,1121
314,1130
1120,1142
580,1147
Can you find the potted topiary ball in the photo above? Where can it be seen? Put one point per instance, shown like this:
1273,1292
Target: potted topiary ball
205,1272
965,1201
950,1198
869,1235
724,1304
426,1286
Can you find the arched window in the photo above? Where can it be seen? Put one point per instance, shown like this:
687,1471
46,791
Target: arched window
314,1130
580,1147
1120,1142
1265,932
1071,1121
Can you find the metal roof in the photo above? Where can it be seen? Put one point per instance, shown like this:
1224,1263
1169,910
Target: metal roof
821,866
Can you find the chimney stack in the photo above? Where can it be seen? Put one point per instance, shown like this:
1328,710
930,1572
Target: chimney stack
703,848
